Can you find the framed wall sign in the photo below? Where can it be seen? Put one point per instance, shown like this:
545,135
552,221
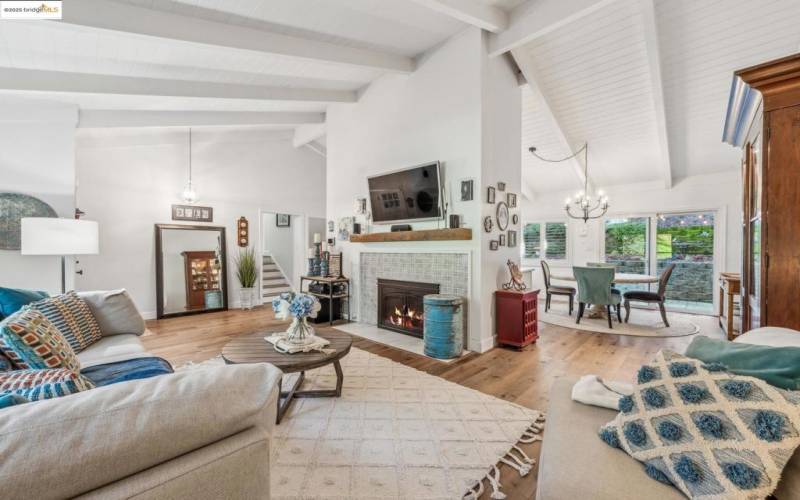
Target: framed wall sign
283,220
192,213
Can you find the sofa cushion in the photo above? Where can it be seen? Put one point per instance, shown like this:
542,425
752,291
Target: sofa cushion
73,318
30,340
35,385
122,371
122,429
770,336
779,366
12,299
111,350
706,431
114,311
571,450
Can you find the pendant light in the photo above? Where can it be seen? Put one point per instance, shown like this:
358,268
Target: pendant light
588,207
189,194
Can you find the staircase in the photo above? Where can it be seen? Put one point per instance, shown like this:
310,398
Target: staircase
273,282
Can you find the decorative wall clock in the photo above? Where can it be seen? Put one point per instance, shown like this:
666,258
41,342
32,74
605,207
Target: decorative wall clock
488,224
502,216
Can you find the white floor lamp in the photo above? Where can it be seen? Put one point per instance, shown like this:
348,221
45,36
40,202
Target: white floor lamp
61,237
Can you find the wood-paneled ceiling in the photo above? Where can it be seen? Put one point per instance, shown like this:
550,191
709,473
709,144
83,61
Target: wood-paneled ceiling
646,84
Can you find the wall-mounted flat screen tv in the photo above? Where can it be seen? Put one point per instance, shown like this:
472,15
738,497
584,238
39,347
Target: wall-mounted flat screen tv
407,195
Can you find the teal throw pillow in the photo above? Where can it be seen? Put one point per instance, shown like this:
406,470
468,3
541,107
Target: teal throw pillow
779,366
12,299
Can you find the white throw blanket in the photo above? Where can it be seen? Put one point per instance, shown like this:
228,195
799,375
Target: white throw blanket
593,390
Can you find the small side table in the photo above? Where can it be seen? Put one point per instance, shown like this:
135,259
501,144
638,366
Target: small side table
517,317
730,285
330,281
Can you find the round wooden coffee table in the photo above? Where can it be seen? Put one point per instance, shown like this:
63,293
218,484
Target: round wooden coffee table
252,348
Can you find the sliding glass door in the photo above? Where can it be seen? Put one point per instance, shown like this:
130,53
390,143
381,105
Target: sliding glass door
627,244
687,240
648,244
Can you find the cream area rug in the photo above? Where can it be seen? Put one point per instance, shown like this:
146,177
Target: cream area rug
642,322
396,433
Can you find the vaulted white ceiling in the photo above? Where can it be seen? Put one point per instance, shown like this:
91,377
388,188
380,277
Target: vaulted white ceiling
646,83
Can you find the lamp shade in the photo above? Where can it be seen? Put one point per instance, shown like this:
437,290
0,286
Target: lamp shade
52,236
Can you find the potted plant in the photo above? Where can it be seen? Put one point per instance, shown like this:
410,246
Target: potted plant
300,306
247,273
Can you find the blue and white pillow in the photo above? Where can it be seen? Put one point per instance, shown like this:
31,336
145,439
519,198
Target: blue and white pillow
709,433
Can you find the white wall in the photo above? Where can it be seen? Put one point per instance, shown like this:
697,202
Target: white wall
458,107
501,162
130,178
37,158
721,192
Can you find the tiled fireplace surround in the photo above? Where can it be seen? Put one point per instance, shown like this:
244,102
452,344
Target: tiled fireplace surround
451,270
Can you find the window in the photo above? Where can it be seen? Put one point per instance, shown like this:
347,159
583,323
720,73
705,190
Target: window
532,238
552,241
555,240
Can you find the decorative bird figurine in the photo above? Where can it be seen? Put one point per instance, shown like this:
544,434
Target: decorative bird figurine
516,283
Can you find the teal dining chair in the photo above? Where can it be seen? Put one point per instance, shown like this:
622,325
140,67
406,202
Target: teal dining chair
594,287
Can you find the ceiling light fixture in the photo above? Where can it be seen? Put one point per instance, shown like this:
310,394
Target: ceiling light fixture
588,207
189,194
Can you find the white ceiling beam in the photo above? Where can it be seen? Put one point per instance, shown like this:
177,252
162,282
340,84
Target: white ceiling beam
471,12
131,19
59,81
654,61
317,148
531,20
304,134
544,107
114,118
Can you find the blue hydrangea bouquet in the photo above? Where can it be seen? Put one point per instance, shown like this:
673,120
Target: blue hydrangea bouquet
300,306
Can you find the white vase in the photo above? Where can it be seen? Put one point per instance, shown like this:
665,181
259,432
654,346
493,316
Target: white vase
300,332
246,296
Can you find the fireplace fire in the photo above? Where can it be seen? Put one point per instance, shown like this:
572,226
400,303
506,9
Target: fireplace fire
400,306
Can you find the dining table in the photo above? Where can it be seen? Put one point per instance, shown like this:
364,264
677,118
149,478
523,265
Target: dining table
596,311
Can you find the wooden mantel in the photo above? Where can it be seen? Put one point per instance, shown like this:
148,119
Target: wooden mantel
423,235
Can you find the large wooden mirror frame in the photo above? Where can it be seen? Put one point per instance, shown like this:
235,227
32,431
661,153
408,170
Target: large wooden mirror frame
159,228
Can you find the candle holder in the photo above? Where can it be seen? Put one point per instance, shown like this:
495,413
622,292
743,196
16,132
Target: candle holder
316,271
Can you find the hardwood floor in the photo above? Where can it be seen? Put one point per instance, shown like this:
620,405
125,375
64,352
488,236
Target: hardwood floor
523,377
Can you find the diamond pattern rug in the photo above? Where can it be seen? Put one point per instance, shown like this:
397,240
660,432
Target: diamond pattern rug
396,432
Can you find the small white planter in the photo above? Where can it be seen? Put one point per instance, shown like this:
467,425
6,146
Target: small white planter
247,297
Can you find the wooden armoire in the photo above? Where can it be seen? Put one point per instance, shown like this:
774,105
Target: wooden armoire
764,120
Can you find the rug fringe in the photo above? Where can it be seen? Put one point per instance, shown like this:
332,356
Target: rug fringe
522,463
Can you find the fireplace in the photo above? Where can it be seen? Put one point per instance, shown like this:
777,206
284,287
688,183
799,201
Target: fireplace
400,306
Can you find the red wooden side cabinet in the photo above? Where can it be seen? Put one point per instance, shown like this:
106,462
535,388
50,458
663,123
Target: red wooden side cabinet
517,316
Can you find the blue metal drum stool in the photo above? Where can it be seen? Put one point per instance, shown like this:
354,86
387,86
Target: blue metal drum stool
444,326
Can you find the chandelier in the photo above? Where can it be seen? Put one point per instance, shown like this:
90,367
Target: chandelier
584,206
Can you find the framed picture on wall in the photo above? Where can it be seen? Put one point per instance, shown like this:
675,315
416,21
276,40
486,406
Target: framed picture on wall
512,200
512,238
493,245
283,220
490,194
501,240
467,189
192,213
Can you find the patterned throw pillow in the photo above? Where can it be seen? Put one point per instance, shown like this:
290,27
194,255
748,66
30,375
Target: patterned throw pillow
73,318
35,385
5,363
29,340
708,432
